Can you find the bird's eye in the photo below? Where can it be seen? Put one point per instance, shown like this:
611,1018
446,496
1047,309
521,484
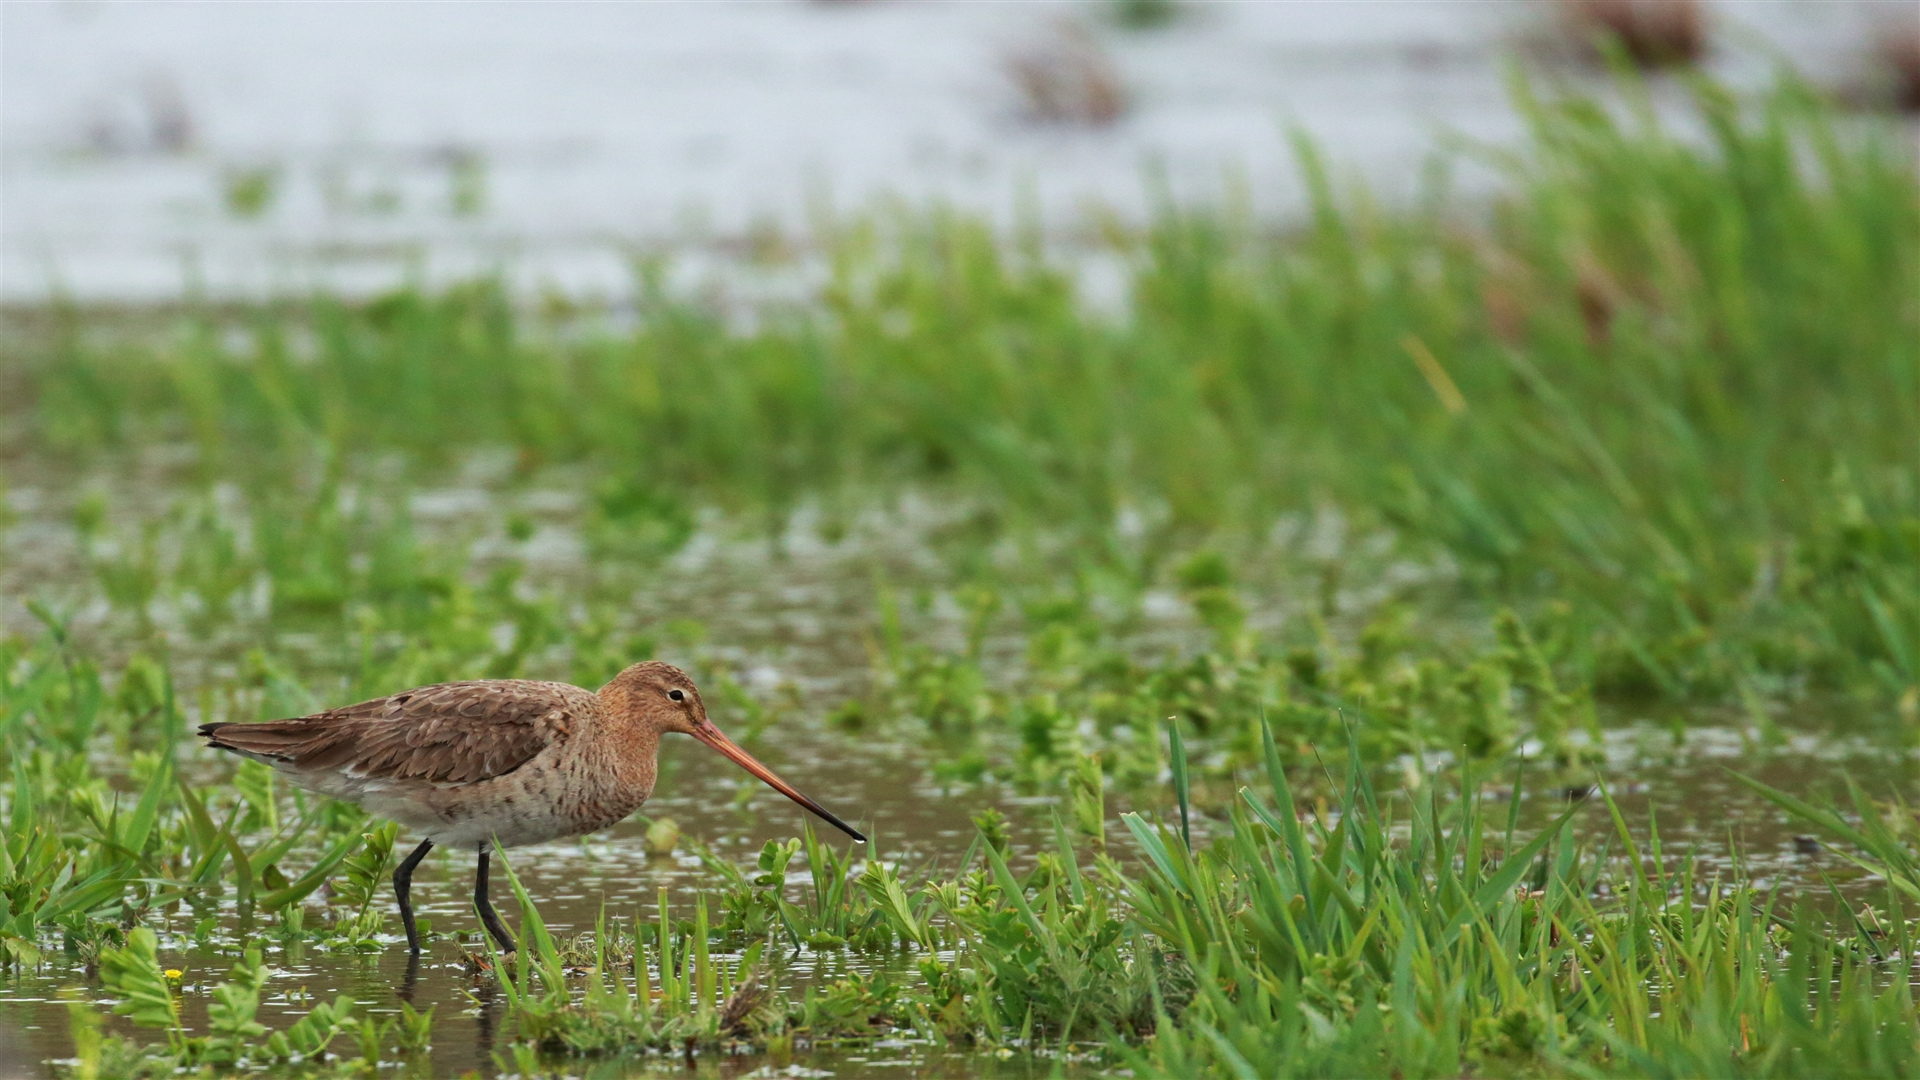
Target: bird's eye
676,695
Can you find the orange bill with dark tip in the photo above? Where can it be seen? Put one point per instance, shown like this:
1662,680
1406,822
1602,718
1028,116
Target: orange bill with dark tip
711,735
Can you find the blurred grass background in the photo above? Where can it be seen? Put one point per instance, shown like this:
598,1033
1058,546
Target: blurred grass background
1664,392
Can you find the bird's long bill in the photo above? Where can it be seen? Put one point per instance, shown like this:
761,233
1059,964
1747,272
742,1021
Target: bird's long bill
711,735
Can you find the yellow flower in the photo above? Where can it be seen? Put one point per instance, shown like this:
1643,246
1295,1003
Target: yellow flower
173,973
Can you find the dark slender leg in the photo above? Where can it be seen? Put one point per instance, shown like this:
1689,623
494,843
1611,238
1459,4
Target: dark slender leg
403,892
409,981
494,925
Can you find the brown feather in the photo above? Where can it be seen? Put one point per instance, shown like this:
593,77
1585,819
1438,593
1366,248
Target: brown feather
451,733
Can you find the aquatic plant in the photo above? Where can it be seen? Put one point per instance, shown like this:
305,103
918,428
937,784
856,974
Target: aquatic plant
1623,386
1363,932
234,1037
1324,945
1329,942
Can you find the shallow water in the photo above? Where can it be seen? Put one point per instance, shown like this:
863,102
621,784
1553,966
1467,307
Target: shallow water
792,619
1687,784
586,131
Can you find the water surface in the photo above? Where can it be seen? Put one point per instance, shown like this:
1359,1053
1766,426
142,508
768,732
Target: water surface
794,618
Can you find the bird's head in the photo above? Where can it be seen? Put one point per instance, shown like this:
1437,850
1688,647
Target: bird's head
661,697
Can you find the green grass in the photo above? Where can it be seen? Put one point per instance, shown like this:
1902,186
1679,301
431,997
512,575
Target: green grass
1668,380
1332,947
1342,943
1359,933
1379,936
1642,426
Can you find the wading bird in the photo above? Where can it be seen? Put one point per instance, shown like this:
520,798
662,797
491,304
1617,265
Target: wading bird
495,762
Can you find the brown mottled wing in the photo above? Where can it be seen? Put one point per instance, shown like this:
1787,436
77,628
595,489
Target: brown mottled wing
452,733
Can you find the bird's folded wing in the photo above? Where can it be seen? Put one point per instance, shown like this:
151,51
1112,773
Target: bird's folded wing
451,733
